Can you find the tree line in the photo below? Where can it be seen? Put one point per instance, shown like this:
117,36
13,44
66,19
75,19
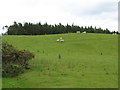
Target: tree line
42,29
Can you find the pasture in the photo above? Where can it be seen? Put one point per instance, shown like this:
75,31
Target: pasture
81,61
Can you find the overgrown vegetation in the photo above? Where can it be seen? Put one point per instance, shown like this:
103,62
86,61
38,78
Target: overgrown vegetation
42,29
14,61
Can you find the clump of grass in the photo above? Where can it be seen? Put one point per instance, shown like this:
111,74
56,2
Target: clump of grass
104,69
59,56
38,51
107,73
83,75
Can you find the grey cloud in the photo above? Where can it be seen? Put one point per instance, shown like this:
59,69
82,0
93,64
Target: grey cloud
104,7
101,8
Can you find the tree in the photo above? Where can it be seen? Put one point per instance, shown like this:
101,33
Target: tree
42,29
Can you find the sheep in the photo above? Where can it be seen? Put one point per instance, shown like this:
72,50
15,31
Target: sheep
58,40
62,40
84,32
78,32
114,34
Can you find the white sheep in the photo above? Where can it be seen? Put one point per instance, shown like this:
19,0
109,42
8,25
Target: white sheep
62,40
84,32
114,34
58,40
78,32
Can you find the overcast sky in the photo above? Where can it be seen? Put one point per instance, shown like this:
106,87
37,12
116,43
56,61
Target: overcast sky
100,13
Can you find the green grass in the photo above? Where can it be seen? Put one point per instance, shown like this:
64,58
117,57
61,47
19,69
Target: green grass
81,64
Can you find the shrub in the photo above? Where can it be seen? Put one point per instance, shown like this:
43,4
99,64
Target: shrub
14,61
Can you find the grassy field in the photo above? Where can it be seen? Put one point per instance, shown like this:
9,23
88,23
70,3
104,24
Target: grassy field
82,61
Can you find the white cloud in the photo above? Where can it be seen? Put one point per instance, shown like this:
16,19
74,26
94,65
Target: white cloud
100,13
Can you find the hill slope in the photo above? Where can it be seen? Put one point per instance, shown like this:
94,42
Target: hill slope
82,61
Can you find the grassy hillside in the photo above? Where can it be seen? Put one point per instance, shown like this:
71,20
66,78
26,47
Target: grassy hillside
82,61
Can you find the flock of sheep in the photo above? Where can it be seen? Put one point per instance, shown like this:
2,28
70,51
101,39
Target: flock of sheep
60,40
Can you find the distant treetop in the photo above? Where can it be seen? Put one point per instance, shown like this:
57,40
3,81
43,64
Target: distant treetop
42,29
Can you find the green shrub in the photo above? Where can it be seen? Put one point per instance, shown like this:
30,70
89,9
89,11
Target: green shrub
14,61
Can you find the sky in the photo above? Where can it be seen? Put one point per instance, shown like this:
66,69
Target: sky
99,13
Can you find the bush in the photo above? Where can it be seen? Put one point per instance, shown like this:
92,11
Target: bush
14,61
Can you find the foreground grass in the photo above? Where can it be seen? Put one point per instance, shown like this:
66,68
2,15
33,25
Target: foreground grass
82,61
